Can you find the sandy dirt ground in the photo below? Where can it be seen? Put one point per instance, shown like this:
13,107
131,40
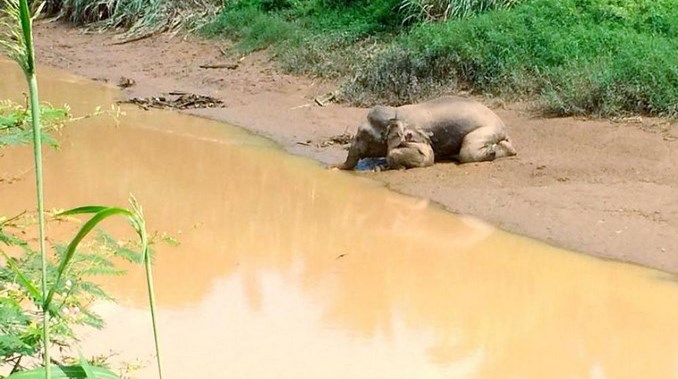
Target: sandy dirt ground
604,188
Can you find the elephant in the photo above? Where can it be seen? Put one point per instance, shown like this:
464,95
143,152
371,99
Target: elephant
455,127
407,148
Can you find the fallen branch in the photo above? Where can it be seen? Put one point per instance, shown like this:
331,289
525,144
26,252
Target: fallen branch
182,100
139,38
322,100
230,66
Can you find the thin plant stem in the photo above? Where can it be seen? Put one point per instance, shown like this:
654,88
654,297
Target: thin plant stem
151,301
37,156
139,224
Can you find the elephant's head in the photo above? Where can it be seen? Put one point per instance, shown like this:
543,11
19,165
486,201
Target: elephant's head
380,115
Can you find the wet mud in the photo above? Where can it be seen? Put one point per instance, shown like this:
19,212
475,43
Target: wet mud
288,270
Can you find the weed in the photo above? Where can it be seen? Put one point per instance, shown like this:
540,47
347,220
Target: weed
139,17
571,56
47,302
443,10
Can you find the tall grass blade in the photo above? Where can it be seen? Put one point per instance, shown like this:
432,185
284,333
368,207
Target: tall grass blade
151,301
83,210
141,230
98,217
136,218
25,56
26,28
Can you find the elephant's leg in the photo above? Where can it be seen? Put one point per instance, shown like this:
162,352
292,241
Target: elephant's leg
360,147
410,156
400,158
482,145
505,149
354,155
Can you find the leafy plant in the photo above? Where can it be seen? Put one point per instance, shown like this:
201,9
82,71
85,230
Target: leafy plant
19,46
49,298
15,123
71,292
20,303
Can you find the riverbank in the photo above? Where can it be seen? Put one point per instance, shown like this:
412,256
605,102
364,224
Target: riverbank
599,187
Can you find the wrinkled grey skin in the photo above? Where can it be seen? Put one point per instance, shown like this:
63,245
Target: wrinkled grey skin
407,148
457,128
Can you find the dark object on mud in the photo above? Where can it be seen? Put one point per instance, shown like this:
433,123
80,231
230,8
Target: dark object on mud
126,82
372,164
230,66
176,100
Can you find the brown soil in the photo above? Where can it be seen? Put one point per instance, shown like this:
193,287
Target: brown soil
604,188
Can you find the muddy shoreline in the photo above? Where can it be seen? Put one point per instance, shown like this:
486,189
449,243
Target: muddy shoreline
600,187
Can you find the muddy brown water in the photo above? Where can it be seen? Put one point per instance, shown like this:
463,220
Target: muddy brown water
288,270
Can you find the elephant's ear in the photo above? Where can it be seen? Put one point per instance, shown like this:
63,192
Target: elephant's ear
427,134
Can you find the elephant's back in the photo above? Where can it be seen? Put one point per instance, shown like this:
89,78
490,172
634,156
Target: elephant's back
466,113
447,120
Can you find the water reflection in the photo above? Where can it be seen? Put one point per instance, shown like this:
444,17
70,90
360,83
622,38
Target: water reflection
287,270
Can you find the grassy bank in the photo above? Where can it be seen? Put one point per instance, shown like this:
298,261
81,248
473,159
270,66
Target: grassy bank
139,18
574,57
320,38
600,57
569,57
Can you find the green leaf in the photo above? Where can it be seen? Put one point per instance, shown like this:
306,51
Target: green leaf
26,24
12,120
24,137
66,372
13,323
10,240
84,210
89,371
92,319
21,277
101,214
94,290
11,344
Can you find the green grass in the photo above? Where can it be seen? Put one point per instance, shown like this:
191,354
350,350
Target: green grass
252,28
321,38
443,10
570,57
573,57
